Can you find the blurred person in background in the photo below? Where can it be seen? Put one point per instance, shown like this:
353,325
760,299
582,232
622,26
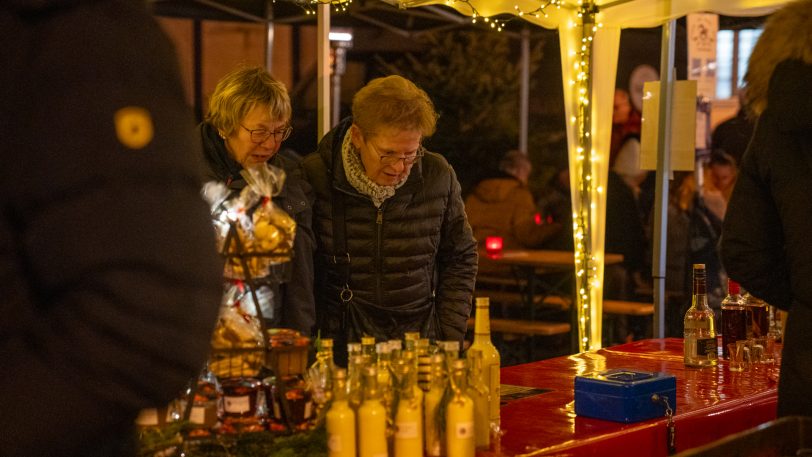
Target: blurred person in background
502,205
395,250
109,278
248,119
732,135
765,242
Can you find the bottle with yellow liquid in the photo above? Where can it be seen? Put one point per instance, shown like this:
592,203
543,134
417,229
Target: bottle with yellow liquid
459,422
372,419
435,445
340,419
408,441
478,391
410,358
490,359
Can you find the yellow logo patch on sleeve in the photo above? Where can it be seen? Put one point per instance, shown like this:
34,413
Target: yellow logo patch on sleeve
134,127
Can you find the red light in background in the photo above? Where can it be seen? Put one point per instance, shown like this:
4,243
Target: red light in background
493,244
537,218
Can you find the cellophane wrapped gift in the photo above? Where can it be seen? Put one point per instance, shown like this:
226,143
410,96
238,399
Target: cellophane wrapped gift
238,348
251,231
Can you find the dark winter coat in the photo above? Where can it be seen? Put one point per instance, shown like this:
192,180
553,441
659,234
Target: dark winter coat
295,307
766,244
503,206
412,263
109,280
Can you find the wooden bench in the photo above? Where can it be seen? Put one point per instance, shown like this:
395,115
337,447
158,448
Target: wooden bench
524,327
628,308
512,298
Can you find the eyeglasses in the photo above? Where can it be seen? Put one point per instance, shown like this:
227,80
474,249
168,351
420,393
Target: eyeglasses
259,136
391,159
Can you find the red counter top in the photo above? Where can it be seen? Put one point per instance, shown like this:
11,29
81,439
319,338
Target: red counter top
711,403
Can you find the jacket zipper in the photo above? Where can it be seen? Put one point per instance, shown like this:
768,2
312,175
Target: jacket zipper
379,256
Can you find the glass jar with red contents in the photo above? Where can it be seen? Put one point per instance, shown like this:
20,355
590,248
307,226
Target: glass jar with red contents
241,397
290,403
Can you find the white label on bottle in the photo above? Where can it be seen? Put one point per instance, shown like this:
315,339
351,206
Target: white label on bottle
464,430
147,417
237,405
308,409
434,449
334,443
198,415
406,430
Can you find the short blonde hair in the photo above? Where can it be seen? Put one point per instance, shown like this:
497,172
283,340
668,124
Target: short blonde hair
393,101
787,35
240,91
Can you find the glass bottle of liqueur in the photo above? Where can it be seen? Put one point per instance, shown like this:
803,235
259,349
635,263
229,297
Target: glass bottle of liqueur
490,357
758,316
368,349
340,419
410,358
206,405
372,419
385,375
355,376
408,440
423,363
459,422
734,317
321,373
478,391
435,445
699,333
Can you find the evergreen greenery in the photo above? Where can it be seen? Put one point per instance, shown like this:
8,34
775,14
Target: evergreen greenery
473,77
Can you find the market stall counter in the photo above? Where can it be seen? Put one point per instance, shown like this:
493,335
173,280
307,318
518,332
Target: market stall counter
538,412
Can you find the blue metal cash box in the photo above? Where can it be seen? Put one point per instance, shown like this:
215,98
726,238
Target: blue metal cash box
624,395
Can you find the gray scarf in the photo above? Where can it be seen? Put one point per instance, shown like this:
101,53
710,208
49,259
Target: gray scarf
356,175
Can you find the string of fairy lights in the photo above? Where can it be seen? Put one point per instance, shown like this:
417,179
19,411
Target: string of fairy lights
587,280
311,6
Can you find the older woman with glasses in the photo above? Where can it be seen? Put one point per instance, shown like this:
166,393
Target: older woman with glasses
249,117
395,252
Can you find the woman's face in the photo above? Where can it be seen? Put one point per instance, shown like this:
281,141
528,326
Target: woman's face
392,142
249,152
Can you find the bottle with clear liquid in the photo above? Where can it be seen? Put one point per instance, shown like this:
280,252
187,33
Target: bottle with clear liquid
385,375
340,419
459,422
734,317
700,348
408,440
490,357
372,440
321,373
478,391
435,446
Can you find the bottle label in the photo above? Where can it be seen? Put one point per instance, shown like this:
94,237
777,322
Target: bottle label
464,430
237,405
147,417
706,347
406,430
198,415
334,443
308,410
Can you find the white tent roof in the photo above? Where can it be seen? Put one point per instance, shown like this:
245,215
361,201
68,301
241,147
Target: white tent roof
612,13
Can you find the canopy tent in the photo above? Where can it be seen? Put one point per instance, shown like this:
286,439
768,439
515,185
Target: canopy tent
589,33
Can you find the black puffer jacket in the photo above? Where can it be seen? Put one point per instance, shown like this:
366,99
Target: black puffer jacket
412,263
296,308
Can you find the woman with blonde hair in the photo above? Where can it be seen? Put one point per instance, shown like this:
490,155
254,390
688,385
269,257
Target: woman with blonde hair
248,119
765,237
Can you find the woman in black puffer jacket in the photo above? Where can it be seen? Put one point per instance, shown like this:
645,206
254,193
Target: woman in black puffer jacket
395,252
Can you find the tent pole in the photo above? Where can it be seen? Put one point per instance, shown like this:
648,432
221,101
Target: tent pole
269,19
524,96
663,174
323,68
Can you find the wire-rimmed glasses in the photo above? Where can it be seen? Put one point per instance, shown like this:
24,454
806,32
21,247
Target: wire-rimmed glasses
409,159
259,136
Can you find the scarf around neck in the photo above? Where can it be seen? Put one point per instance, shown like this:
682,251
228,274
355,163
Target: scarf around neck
357,177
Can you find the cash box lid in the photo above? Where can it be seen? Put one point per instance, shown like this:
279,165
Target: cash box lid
624,395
